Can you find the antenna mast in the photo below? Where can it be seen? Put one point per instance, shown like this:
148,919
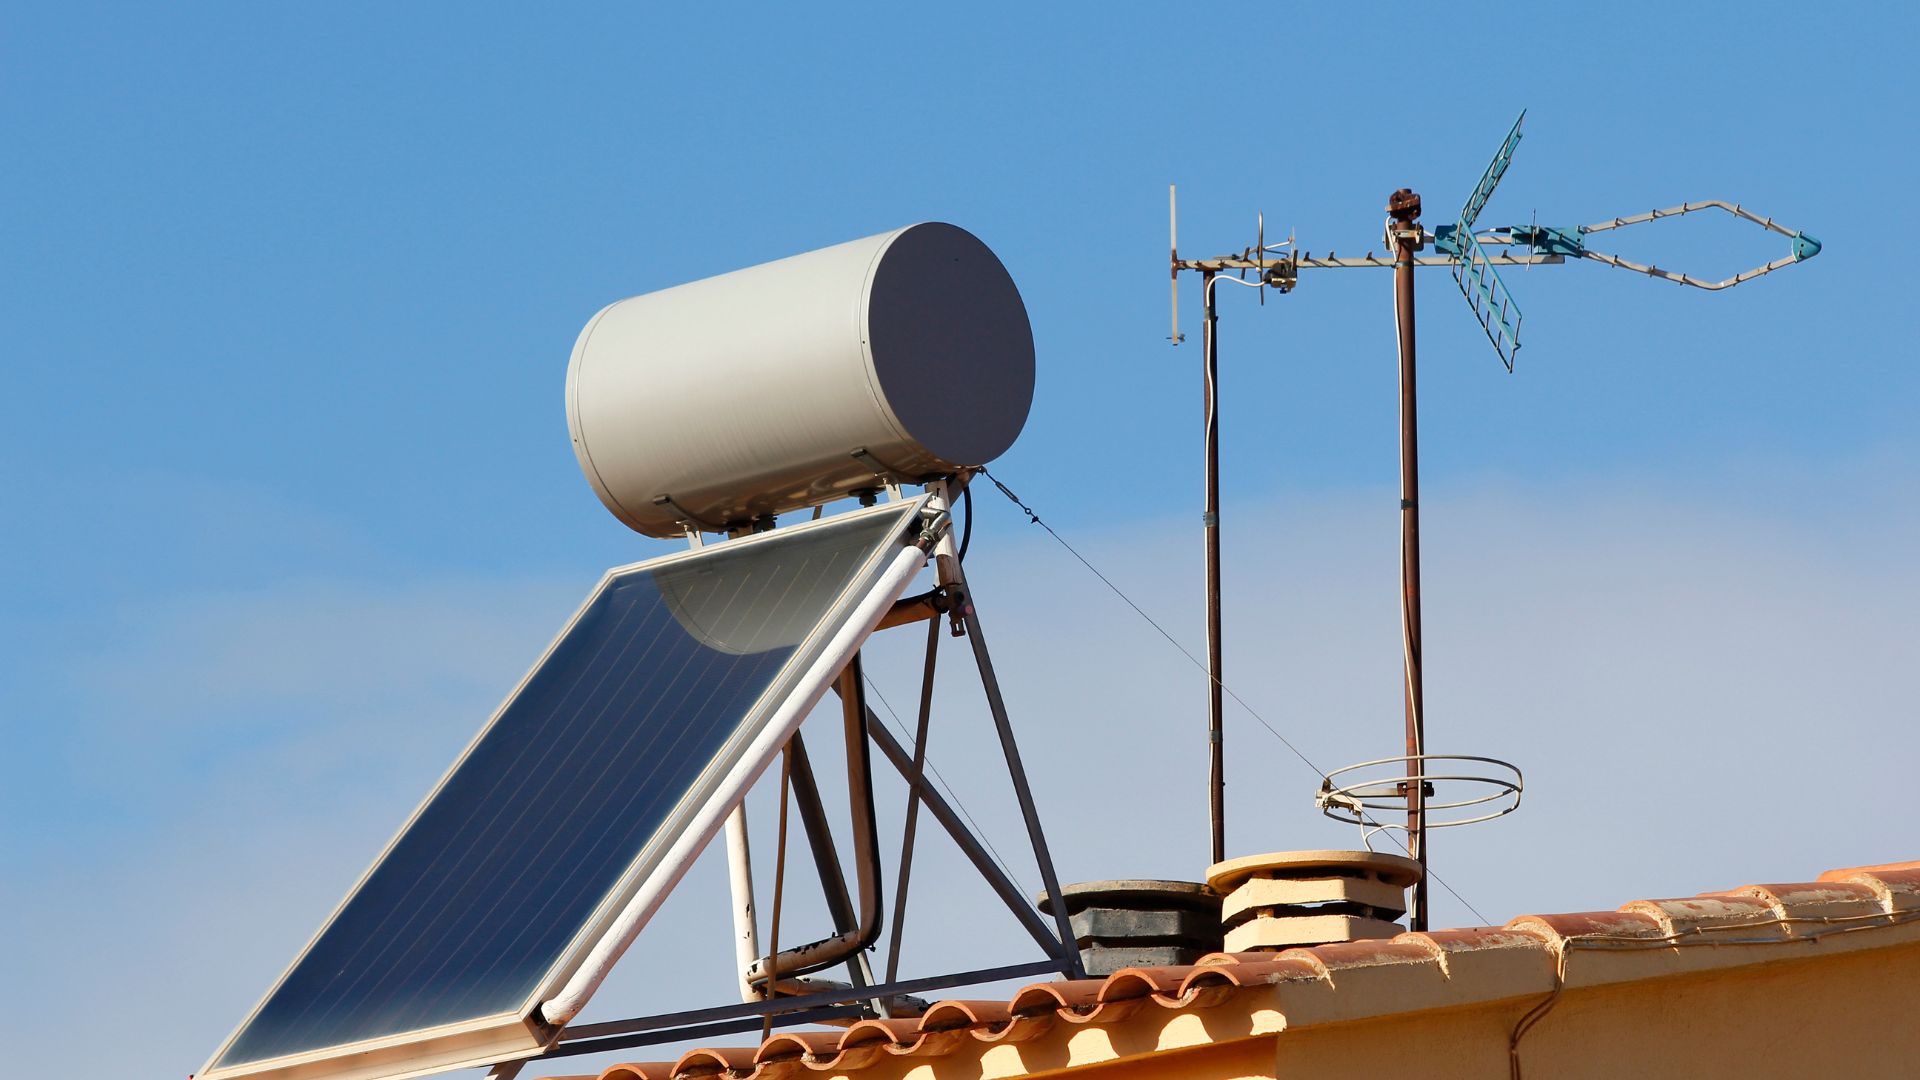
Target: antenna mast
1475,270
1403,234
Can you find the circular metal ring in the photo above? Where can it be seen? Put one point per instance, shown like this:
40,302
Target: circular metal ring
1352,800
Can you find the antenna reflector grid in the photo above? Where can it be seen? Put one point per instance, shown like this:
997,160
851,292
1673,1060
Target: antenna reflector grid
1487,295
1490,179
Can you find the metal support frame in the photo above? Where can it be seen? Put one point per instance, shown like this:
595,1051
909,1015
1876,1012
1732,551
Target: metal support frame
915,780
1015,770
856,930
748,1016
970,846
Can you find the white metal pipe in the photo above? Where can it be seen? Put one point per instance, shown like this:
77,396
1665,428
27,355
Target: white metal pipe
846,641
861,927
946,554
746,925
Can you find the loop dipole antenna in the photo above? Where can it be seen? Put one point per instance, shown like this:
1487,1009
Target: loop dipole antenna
1803,247
1452,795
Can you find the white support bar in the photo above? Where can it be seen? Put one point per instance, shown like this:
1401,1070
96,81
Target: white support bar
846,641
746,925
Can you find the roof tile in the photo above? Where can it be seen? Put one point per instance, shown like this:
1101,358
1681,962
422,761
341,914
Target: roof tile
1135,982
1330,982
949,1015
1687,915
1816,901
1591,924
713,1061
798,1044
1896,884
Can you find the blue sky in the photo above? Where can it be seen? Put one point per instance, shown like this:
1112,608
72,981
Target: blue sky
286,297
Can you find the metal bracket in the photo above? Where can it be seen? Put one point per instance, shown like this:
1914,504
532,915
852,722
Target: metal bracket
686,517
881,470
1283,275
1548,240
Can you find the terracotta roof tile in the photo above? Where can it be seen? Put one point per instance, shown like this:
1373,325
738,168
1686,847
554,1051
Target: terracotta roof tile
1557,929
949,1015
713,1061
1347,955
1711,911
1075,995
1798,905
933,1043
880,1033
1323,983
1896,884
1136,982
798,1044
1020,1029
651,1070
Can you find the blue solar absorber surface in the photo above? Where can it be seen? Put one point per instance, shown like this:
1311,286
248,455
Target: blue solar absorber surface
472,907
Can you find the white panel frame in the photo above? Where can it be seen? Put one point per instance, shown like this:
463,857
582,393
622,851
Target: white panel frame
623,911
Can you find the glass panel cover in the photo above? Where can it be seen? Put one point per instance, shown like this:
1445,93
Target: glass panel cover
474,904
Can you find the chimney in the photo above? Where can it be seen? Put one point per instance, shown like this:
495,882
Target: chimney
1291,898
1140,923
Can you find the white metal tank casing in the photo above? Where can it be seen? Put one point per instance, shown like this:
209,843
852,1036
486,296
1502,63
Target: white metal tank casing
895,358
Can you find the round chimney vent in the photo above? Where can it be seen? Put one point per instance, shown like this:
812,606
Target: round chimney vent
1291,898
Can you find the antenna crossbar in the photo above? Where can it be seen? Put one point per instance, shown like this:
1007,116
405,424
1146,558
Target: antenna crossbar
1363,262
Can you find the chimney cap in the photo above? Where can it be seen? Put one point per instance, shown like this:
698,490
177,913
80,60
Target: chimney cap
1224,877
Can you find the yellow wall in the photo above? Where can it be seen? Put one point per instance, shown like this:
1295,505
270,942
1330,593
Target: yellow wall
1854,1015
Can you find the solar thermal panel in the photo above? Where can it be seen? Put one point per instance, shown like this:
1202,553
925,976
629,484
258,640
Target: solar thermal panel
626,731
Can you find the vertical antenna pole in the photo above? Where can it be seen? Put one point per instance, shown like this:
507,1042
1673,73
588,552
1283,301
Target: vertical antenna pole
1210,525
1403,234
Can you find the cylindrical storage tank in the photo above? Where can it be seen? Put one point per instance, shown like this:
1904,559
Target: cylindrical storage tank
896,358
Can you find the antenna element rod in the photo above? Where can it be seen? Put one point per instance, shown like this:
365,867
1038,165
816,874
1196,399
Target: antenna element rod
1173,259
1210,525
1404,237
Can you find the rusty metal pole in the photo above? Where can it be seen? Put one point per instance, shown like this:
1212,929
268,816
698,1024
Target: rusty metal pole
1210,525
1404,236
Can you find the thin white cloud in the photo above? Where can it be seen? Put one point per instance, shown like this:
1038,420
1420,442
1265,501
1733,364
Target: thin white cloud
1701,694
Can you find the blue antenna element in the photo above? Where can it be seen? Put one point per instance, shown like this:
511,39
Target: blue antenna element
1548,240
1496,169
1479,282
1487,295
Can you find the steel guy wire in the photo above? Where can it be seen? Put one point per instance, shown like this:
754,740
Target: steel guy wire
1137,610
952,795
1171,640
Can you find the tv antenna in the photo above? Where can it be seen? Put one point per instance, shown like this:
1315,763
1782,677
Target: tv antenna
1474,256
